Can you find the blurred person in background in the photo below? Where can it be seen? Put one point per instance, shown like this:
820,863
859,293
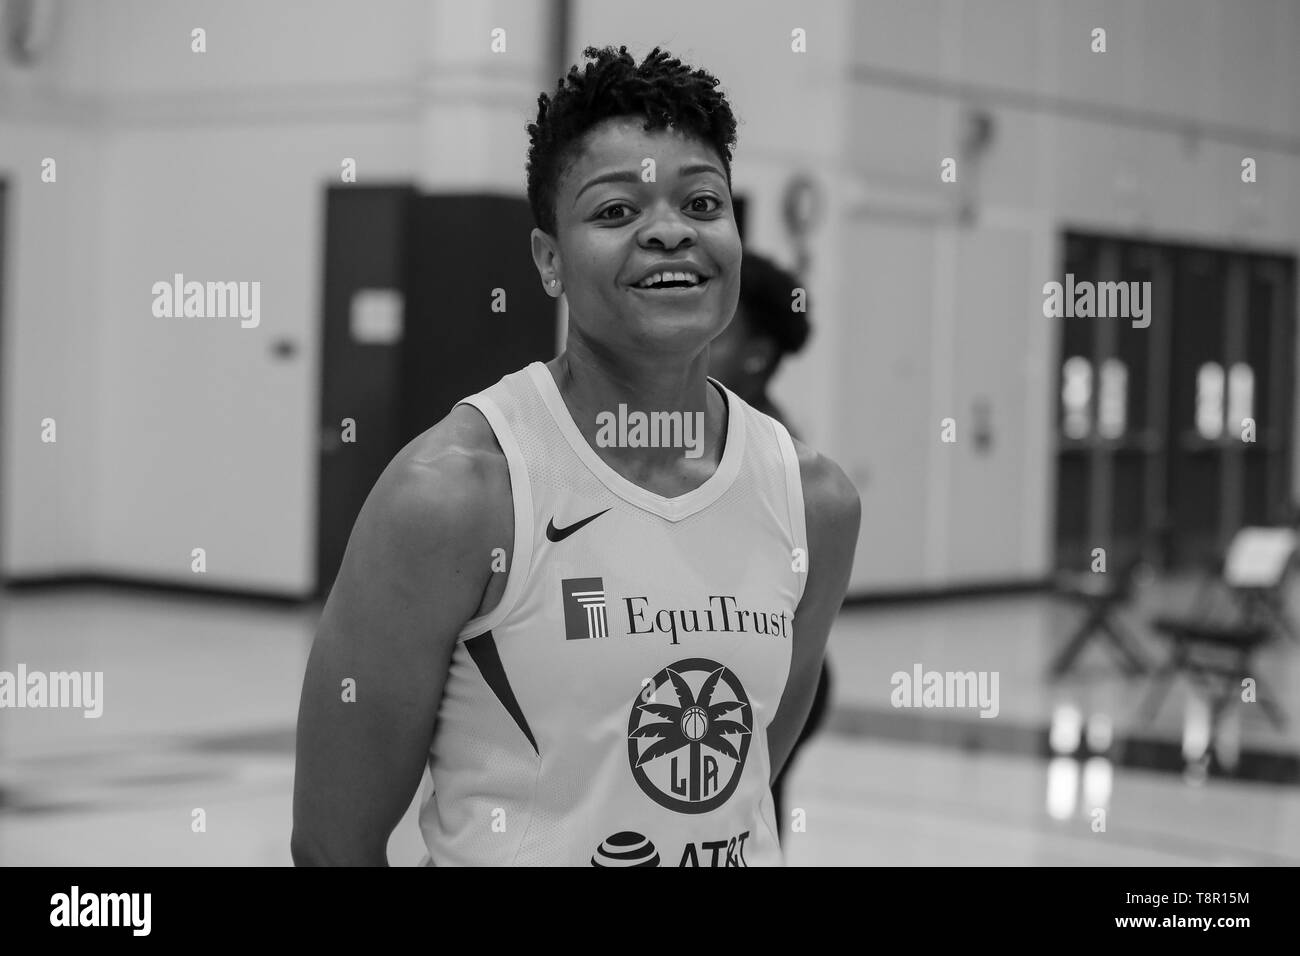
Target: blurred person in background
745,358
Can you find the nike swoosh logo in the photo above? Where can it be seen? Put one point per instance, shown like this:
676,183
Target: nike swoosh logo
559,534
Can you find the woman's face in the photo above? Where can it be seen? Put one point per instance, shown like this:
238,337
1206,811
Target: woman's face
615,228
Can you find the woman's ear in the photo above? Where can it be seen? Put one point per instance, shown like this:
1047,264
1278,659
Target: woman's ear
546,256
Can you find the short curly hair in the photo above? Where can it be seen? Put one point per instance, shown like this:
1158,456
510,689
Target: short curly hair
662,90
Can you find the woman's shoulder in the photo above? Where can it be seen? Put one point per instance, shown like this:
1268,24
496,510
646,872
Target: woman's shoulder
455,475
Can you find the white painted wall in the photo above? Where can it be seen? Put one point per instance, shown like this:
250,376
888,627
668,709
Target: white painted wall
50,369
174,433
51,366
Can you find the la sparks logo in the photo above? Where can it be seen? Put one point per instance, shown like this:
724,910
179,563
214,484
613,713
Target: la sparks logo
687,753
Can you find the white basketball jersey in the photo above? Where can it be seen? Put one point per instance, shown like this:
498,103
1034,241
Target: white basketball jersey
613,708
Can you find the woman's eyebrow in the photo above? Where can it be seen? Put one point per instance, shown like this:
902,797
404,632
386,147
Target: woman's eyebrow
628,176
694,169
618,176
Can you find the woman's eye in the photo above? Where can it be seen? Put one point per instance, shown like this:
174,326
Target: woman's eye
620,205
707,199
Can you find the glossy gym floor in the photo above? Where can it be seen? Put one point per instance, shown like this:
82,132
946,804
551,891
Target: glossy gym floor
201,695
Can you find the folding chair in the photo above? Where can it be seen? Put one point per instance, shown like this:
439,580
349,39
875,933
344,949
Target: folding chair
1101,595
1216,656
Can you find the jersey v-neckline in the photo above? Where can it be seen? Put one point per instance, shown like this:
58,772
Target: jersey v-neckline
675,508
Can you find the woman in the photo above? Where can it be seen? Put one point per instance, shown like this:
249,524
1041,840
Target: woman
594,637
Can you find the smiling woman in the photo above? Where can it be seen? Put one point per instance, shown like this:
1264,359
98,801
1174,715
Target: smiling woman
556,732
645,243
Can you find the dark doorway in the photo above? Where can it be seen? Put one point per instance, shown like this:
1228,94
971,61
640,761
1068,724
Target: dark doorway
361,357
1151,458
465,254
409,329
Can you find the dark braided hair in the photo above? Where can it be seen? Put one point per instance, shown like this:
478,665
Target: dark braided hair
662,90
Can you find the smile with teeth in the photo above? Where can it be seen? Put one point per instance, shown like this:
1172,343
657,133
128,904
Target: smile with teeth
686,279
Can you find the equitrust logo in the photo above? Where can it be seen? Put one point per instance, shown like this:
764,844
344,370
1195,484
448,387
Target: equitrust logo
584,609
586,615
